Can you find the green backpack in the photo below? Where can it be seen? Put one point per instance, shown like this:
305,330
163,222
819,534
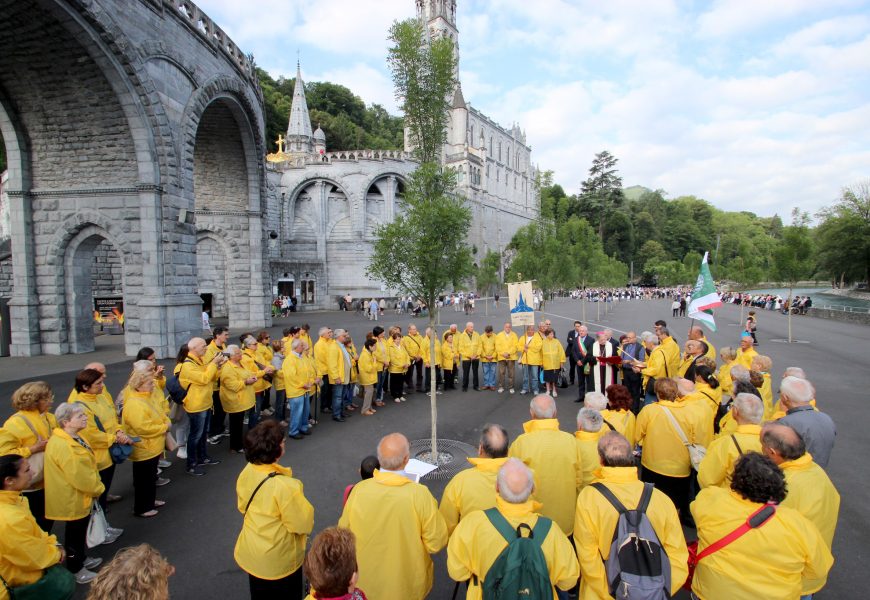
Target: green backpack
520,571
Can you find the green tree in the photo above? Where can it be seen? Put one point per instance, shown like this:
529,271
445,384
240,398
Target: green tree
487,274
601,192
844,235
793,257
424,249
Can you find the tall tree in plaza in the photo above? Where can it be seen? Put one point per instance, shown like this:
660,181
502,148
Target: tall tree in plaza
793,256
844,235
487,274
601,193
424,250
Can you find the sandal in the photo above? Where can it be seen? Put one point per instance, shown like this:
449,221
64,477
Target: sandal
159,503
149,514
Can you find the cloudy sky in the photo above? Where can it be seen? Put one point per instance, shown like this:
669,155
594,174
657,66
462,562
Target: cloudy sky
756,105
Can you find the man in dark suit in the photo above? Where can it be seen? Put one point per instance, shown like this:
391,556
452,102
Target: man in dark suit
632,349
580,355
572,338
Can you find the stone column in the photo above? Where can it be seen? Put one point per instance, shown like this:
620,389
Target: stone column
321,204
23,306
390,200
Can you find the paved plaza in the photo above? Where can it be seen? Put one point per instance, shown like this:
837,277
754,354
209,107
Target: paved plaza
197,528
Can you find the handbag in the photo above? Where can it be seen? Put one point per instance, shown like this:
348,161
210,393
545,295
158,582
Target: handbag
37,460
696,451
171,444
118,452
98,528
56,583
753,521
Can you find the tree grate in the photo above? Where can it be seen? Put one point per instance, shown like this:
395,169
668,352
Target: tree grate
452,455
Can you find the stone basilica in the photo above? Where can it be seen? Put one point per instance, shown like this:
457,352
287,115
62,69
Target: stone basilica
139,189
329,203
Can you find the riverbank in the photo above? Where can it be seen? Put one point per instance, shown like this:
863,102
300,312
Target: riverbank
858,295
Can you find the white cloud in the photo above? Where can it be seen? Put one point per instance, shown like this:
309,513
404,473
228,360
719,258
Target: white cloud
368,83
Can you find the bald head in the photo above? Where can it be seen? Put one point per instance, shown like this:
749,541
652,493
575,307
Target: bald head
685,386
696,333
794,372
542,406
494,441
781,443
394,452
514,482
96,366
615,451
196,346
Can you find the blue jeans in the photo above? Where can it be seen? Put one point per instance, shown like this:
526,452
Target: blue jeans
337,399
281,404
196,439
348,395
489,374
379,388
530,378
297,412
253,417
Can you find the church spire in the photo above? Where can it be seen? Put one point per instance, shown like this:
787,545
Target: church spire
299,126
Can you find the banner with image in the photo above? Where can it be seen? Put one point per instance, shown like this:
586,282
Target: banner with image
520,299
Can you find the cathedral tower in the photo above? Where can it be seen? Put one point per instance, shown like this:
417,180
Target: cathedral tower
439,18
299,136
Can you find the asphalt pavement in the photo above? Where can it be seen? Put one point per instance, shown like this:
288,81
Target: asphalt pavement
197,528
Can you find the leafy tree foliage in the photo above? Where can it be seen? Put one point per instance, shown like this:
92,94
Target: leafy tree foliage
601,192
487,273
844,235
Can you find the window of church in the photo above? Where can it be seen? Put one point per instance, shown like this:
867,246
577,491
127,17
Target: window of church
508,161
498,174
490,145
499,151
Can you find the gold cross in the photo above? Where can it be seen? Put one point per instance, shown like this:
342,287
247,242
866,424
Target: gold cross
280,142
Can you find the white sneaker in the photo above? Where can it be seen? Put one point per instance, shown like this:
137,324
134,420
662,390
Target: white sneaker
511,390
115,530
500,390
112,537
93,562
85,576
163,463
182,452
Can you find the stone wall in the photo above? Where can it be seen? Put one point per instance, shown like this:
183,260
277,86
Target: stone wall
106,273
212,272
5,275
839,315
220,179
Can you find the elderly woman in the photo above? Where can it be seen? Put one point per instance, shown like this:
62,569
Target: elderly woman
26,433
729,359
331,567
665,459
72,485
102,428
27,553
237,396
253,362
137,572
618,416
367,366
449,356
277,518
762,364
145,420
553,358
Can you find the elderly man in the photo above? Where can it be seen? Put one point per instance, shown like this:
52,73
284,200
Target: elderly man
815,427
603,374
631,351
468,345
531,358
298,383
506,351
482,536
197,377
397,526
339,367
746,352
413,345
488,358
580,355
697,333
694,349
779,409
474,489
555,458
595,518
663,360
743,568
590,428
718,464
321,351
809,489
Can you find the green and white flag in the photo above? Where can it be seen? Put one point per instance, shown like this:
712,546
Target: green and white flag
704,297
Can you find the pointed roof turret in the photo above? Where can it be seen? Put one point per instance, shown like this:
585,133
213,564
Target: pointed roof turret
299,126
458,98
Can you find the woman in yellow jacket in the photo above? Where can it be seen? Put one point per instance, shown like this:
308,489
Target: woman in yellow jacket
26,551
103,428
26,433
277,518
368,366
253,362
383,354
237,396
552,359
431,361
399,363
729,359
143,420
618,416
72,485
449,355
763,364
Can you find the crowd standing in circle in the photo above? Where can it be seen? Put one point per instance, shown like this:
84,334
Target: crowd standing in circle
670,433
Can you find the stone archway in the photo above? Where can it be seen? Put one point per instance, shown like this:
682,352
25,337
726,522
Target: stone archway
92,266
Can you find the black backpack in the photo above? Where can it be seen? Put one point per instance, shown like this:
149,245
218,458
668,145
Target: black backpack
176,393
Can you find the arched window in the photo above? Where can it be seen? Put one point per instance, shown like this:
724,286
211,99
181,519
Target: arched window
499,151
471,137
490,145
508,161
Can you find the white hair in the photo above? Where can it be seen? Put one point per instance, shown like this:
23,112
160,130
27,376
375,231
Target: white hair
504,490
740,373
322,330
794,372
296,343
595,400
796,390
339,332
543,406
589,419
750,408
66,412
647,337
143,366
232,349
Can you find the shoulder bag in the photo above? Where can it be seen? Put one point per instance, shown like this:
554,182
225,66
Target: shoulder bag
696,451
257,489
118,452
36,460
56,583
98,528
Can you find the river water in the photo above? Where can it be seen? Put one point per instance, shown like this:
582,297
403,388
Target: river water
820,298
